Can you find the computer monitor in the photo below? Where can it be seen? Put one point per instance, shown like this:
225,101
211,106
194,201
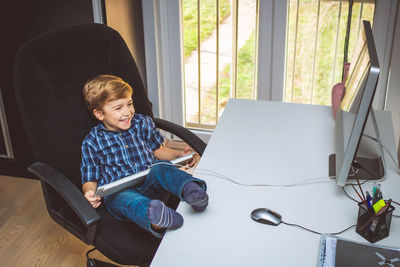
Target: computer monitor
355,110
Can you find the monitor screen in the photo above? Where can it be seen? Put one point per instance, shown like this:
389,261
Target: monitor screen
356,104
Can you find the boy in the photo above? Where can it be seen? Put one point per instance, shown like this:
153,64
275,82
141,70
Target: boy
124,143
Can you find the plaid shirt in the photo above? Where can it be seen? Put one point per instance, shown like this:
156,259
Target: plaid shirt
111,155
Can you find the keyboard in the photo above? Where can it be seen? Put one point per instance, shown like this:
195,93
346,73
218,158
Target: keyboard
134,179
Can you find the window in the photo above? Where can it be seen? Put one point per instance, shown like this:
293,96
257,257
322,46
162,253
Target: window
278,26
220,34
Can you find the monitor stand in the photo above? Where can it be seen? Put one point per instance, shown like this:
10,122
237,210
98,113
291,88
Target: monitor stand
366,167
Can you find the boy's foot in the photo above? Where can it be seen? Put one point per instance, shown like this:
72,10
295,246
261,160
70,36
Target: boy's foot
162,216
194,195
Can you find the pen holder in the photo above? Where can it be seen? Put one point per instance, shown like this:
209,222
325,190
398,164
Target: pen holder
373,226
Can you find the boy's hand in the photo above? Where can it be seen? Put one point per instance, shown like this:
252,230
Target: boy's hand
190,165
95,201
194,160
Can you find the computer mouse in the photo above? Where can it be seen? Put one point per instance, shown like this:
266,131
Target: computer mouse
266,216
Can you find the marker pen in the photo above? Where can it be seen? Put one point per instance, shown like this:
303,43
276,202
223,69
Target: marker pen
376,195
369,200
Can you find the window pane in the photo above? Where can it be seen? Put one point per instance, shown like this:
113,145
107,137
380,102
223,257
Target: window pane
246,49
304,53
208,58
327,50
225,56
315,47
229,43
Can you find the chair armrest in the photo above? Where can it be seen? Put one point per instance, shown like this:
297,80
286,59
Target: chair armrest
187,136
68,191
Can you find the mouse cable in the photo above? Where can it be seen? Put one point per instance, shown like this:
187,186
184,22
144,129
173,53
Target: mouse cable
318,233
226,178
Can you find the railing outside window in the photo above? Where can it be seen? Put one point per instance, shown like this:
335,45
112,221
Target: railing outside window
218,34
220,52
315,46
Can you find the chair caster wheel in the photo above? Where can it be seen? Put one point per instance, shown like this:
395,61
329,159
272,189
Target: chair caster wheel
90,263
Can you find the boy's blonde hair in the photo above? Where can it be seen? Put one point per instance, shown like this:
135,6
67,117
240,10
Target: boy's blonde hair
102,88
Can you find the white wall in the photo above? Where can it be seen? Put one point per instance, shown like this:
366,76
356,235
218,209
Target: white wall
393,94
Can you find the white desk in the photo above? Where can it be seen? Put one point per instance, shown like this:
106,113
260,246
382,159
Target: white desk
269,142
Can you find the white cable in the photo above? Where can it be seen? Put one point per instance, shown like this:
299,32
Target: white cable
303,182
226,178
387,150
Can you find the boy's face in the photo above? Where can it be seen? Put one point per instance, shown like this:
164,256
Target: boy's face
116,115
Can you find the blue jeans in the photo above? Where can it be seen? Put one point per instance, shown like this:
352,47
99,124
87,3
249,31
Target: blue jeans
132,204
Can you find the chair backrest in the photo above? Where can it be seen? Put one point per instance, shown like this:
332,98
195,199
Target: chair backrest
49,73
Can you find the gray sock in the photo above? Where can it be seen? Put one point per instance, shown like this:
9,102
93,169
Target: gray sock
163,216
194,195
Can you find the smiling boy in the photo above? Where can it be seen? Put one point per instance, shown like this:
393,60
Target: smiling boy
124,143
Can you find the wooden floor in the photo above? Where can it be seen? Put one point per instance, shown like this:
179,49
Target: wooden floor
28,237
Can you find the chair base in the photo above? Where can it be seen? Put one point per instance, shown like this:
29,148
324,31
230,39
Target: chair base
98,263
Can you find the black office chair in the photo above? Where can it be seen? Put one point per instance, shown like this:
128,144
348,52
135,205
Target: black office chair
49,73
